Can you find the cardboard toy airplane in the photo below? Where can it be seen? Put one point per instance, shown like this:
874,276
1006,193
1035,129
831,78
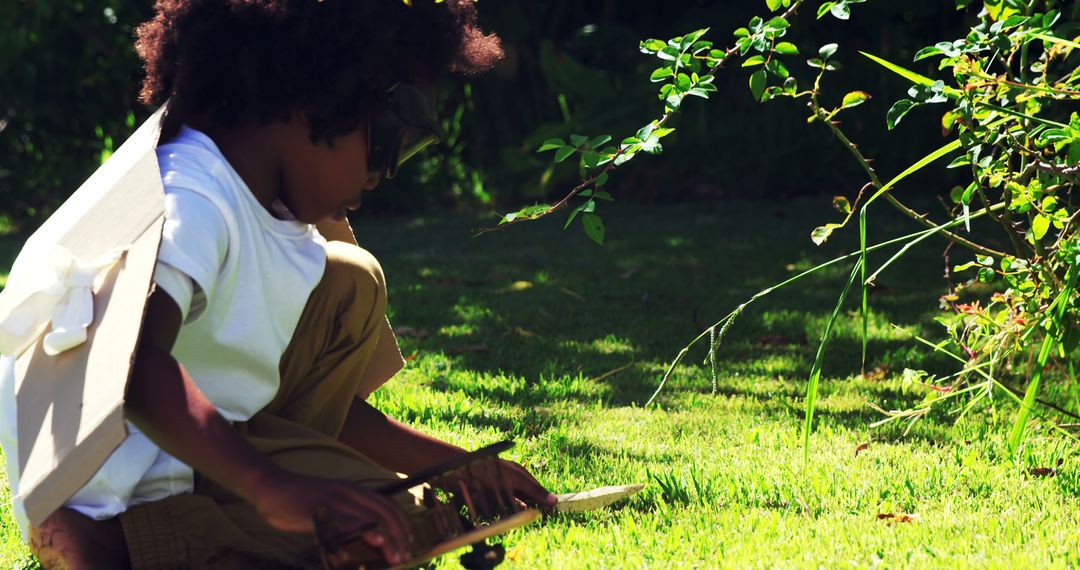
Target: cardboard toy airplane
70,393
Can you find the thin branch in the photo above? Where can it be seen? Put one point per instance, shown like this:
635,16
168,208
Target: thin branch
720,64
865,164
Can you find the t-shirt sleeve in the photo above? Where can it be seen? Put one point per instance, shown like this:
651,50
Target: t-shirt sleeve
194,244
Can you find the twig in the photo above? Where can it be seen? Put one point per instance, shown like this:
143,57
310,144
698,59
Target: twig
1054,407
610,373
865,164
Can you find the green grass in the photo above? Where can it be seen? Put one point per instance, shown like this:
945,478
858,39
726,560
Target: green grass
525,327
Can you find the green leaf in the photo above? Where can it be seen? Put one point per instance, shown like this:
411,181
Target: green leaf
897,112
841,203
591,158
594,227
841,10
773,5
757,84
578,140
777,68
651,46
786,48
927,52
603,196
828,50
551,144
600,140
564,153
778,23
822,233
668,53
754,60
1039,226
661,73
588,206
854,99
601,179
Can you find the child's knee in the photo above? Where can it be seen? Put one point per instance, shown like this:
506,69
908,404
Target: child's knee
68,539
354,269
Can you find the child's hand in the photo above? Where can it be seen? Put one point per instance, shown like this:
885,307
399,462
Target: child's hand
290,502
486,476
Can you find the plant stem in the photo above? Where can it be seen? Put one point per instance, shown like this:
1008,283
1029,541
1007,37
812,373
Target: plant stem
896,203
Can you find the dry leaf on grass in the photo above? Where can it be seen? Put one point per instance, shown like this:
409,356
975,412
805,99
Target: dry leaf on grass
1044,471
875,374
862,447
516,553
517,286
895,518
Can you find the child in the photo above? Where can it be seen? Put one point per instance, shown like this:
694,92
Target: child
260,339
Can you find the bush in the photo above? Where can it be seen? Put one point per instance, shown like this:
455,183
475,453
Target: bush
68,83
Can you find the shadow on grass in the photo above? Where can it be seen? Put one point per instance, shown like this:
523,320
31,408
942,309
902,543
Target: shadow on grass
588,324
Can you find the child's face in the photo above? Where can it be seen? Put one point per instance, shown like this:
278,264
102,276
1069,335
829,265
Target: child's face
319,181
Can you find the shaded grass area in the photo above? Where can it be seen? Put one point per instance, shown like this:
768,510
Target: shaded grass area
541,336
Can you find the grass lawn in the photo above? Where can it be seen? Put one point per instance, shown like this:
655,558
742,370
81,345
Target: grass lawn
541,336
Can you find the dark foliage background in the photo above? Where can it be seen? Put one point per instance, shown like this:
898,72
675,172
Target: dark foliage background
69,78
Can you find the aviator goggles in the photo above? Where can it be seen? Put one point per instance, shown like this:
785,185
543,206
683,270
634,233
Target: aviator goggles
407,126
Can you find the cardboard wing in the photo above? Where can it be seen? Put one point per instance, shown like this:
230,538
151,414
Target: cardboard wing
70,406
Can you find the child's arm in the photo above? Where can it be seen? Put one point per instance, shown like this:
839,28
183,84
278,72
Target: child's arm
167,405
401,448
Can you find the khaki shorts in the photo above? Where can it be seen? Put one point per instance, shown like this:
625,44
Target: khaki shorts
342,348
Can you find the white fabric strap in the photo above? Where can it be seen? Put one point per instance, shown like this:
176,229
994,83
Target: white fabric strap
61,302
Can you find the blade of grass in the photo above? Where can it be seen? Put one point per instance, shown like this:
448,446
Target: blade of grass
865,288
1054,40
728,319
919,165
1057,312
905,73
815,372
1017,435
907,246
954,93
1018,114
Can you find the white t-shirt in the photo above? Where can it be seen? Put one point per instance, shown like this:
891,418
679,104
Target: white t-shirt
241,277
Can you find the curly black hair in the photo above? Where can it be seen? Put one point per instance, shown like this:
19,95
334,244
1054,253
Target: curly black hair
332,60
